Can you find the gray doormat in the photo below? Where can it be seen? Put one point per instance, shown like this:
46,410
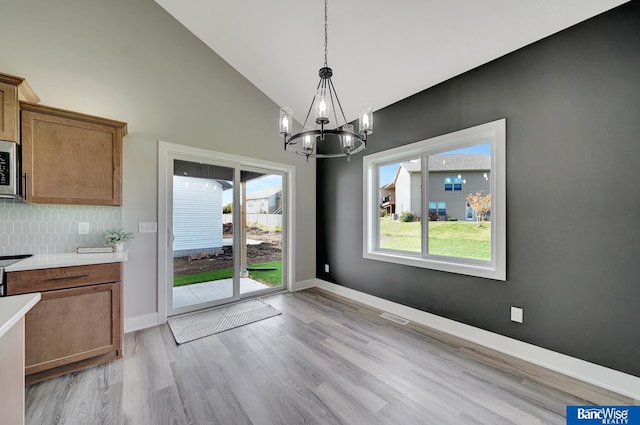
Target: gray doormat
199,324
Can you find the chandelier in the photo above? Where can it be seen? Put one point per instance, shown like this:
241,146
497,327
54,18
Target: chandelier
345,141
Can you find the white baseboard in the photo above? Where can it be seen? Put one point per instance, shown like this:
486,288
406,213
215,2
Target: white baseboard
610,379
304,284
137,323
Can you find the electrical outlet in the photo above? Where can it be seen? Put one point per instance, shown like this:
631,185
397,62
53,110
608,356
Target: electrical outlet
149,227
83,228
326,268
517,314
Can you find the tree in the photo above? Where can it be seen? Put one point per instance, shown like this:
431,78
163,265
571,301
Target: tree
481,205
227,209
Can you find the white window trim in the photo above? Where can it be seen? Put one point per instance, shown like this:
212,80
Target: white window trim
493,132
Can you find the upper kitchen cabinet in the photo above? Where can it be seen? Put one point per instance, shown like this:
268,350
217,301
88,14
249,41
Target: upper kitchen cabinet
13,89
71,158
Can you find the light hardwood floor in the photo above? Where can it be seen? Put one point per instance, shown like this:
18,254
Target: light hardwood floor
325,360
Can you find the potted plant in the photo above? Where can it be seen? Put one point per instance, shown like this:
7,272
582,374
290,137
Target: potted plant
118,237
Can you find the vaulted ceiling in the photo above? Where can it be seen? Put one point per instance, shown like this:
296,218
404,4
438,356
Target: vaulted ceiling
381,51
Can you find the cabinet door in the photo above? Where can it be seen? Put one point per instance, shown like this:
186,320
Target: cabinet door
9,112
70,161
69,326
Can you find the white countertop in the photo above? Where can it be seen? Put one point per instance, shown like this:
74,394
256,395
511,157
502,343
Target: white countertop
48,261
13,308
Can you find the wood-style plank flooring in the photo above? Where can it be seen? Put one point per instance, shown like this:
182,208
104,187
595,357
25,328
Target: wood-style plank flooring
325,360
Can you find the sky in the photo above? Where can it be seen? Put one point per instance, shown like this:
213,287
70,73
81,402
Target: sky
388,172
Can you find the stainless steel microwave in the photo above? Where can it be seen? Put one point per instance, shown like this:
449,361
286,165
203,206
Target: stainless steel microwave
9,171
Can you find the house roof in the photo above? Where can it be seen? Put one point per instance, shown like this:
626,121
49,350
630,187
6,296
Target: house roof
389,185
459,162
454,162
265,193
412,167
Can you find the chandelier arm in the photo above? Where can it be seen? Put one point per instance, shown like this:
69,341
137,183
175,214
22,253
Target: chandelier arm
358,139
333,105
339,104
311,106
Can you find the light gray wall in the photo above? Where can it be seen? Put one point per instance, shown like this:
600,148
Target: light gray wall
131,61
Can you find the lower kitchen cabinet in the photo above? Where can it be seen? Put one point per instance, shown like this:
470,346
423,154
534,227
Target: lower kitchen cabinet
78,321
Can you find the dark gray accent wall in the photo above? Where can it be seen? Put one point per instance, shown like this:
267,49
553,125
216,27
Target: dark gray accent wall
572,104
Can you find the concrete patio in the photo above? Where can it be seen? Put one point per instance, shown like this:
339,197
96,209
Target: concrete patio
199,293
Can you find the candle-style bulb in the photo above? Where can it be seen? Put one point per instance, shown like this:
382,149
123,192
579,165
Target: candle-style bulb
366,119
306,143
347,139
286,119
323,107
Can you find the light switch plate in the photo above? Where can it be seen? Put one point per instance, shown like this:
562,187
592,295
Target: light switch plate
147,227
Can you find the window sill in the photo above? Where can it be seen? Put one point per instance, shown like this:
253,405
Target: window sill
466,266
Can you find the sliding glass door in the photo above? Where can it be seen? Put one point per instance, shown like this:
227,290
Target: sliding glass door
227,227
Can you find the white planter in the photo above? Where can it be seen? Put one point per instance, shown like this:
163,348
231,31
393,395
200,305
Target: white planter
119,246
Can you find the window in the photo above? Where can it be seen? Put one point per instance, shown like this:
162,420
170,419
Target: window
457,183
437,209
458,226
448,183
453,183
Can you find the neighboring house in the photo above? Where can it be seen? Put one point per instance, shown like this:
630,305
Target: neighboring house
266,201
407,186
388,196
197,215
451,179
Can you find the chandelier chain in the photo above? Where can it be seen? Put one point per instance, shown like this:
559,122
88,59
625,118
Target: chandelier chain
326,29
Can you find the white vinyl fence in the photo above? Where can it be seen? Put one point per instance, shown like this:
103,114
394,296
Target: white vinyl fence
262,220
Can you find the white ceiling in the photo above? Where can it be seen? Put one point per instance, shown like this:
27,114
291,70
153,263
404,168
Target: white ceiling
381,51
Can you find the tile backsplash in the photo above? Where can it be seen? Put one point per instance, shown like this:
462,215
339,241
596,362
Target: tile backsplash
53,229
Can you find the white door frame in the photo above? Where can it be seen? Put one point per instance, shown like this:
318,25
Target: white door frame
166,153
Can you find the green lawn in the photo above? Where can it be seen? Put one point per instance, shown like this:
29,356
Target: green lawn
452,238
271,277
